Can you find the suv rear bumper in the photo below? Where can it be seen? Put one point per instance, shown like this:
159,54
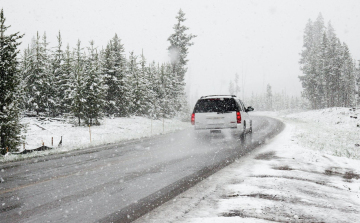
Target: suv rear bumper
235,129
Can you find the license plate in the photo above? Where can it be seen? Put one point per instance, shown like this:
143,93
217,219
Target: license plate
215,131
215,120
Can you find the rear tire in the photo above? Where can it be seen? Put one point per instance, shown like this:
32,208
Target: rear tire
250,130
242,135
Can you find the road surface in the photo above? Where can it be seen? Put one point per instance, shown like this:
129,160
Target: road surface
119,182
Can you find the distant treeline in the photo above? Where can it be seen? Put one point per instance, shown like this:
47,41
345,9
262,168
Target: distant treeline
330,74
275,101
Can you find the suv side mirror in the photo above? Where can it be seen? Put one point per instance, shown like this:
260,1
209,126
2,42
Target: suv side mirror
249,109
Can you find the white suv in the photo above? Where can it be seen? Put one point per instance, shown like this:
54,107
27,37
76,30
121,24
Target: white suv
217,112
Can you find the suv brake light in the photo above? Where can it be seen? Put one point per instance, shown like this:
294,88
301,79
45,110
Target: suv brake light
238,117
193,119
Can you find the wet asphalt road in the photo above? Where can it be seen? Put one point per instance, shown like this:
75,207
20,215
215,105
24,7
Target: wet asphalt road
118,183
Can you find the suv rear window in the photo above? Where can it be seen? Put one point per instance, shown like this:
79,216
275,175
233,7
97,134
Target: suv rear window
215,105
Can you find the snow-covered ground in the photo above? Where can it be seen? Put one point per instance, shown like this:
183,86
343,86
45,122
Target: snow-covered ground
74,137
308,173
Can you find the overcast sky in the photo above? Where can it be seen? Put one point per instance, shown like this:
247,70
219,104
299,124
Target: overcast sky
259,40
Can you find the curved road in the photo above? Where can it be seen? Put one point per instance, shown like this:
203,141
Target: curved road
120,182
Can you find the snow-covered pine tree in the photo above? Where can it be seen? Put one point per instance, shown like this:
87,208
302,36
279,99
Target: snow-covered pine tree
310,61
179,45
76,84
334,66
357,83
236,85
322,73
146,91
110,80
347,78
50,93
24,69
154,91
113,68
269,98
94,90
38,77
164,91
135,83
307,62
180,42
60,77
10,126
124,94
67,76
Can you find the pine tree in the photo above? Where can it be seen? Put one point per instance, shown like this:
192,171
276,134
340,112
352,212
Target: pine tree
269,98
24,69
110,80
180,41
60,77
347,78
76,86
50,92
136,84
113,68
166,91
10,126
68,76
153,90
123,95
93,90
38,77
307,62
146,94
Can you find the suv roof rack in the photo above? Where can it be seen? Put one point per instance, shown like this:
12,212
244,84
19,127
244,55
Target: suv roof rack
234,96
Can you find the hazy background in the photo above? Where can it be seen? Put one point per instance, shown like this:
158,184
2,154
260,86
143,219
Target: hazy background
259,40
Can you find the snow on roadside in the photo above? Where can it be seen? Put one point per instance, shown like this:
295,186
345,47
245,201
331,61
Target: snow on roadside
78,137
287,180
333,131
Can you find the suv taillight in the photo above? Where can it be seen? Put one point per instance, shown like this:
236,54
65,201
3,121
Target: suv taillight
238,117
193,119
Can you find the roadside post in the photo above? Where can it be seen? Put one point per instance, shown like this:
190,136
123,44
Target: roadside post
90,133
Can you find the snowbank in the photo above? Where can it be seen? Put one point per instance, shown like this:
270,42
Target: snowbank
334,131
